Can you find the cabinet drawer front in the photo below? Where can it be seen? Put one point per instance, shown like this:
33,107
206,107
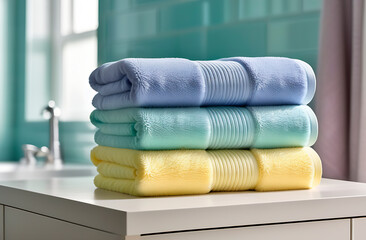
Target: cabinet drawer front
318,230
25,225
358,228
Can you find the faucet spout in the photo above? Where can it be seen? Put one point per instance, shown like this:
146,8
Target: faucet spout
52,112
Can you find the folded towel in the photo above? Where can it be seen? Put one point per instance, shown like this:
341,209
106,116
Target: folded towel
206,128
178,172
172,82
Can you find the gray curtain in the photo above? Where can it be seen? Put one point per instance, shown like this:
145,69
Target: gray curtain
340,101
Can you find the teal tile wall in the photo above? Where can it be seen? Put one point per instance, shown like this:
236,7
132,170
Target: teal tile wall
249,40
312,5
209,29
293,36
281,7
7,126
137,25
252,9
220,12
178,17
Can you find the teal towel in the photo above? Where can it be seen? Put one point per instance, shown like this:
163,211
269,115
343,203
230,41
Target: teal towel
206,128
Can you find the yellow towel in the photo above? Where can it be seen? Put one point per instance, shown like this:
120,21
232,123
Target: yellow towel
178,172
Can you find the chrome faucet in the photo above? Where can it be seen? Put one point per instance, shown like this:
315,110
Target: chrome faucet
53,152
54,148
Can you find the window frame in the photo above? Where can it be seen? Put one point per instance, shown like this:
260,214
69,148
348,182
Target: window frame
58,42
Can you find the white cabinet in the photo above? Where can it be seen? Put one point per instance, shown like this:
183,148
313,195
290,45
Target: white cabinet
317,230
1,222
358,228
72,208
25,225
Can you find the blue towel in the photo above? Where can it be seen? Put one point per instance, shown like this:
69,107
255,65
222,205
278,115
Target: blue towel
177,82
206,128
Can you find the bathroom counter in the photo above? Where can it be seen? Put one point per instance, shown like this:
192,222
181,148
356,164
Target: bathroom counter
334,209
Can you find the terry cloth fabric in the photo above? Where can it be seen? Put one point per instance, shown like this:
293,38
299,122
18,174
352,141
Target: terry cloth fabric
178,172
206,128
177,82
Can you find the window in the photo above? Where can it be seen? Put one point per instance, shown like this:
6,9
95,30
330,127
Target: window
76,39
61,53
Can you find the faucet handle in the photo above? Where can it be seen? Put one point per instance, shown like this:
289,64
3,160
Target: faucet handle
42,152
31,152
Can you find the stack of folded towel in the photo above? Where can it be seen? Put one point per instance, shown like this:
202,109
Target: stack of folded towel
174,126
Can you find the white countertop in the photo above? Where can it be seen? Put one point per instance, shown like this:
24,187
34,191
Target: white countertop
78,201
15,171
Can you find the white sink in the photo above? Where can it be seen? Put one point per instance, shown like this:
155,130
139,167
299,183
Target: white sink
15,171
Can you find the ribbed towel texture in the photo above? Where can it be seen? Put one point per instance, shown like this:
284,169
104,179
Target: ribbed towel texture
178,172
206,128
177,82
155,118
